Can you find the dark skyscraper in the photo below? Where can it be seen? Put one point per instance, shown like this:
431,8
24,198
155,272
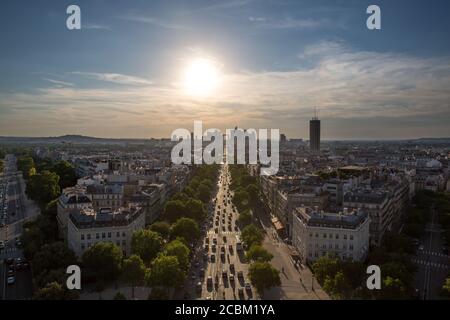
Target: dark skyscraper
314,133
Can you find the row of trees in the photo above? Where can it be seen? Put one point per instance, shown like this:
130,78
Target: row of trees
49,256
262,274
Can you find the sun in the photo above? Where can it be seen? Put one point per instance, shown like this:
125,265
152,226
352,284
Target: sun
201,77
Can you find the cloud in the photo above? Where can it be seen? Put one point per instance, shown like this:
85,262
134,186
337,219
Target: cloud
153,21
95,26
288,23
59,83
360,94
114,78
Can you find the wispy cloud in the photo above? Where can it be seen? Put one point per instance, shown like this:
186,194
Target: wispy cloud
59,82
378,95
114,78
151,20
287,23
96,26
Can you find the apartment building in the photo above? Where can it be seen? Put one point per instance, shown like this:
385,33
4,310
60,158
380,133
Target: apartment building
88,226
73,198
344,234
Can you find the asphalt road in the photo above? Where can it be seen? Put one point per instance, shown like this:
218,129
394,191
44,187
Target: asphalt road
221,235
17,211
433,265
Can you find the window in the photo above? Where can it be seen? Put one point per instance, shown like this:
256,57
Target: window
351,237
103,235
97,236
324,246
344,246
89,236
109,234
330,246
345,237
317,235
337,236
124,242
82,247
310,234
118,234
118,242
336,246
316,254
82,236
351,247
330,236
123,234
324,235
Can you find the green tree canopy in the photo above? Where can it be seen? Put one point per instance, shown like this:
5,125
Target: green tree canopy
251,235
179,250
104,260
161,227
55,291
66,173
258,253
166,272
186,228
133,271
174,209
263,276
53,256
146,244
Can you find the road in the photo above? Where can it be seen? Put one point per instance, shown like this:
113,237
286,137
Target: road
433,265
18,210
217,256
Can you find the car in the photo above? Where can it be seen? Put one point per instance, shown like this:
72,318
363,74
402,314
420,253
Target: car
2,245
206,247
222,249
421,247
248,287
230,228
209,281
216,230
224,239
212,258
241,293
215,240
232,267
240,275
224,274
11,280
193,276
11,273
198,287
223,228
213,247
9,261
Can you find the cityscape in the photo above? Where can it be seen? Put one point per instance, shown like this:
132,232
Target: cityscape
93,205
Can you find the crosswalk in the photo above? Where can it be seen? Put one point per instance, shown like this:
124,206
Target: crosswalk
435,253
431,264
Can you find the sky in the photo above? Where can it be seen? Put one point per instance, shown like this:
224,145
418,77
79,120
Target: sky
121,75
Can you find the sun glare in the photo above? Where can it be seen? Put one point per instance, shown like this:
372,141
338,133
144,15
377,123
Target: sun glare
201,77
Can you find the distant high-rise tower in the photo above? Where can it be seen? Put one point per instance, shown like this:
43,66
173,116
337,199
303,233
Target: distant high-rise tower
314,133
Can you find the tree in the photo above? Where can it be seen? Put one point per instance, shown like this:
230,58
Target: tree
66,173
166,272
204,192
392,289
195,210
49,276
133,271
186,228
37,233
326,266
43,187
245,217
161,227
146,244
258,253
53,256
241,199
55,291
446,288
179,250
263,276
253,193
104,260
337,286
119,296
173,210
25,164
251,235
